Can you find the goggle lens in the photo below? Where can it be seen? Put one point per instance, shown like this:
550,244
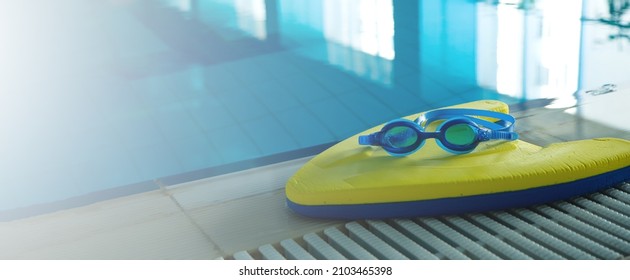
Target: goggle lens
400,137
460,134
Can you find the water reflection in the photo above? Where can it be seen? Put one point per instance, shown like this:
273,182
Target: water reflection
252,17
181,5
617,17
523,49
537,50
364,25
604,60
361,37
355,36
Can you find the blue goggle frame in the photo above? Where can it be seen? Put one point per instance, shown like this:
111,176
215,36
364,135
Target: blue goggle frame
402,137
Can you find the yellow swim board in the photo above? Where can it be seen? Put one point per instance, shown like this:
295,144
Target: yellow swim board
349,181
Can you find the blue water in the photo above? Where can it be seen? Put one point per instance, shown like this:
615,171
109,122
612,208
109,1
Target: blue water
98,95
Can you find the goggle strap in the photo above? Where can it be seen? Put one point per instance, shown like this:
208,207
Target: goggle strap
504,135
367,139
505,123
373,139
487,124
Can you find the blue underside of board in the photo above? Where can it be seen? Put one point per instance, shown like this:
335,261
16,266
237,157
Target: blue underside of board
468,204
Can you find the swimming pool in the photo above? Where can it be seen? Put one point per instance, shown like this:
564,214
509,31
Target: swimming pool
104,99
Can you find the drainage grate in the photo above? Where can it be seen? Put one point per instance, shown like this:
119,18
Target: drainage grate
589,227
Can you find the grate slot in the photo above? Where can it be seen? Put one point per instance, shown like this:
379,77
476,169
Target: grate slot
268,252
618,195
294,251
455,237
542,237
597,221
499,246
612,203
242,255
320,248
399,241
571,237
372,243
428,239
585,229
515,238
604,211
347,246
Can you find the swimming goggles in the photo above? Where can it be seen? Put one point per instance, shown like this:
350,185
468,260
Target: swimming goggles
460,133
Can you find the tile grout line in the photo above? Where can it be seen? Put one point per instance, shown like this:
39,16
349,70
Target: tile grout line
164,191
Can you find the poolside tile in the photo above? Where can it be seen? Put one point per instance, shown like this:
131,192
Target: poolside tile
155,160
233,144
304,127
248,222
142,226
305,88
366,107
195,152
274,96
333,114
209,114
270,136
242,105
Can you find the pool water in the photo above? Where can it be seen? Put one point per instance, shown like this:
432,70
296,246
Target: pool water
112,97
